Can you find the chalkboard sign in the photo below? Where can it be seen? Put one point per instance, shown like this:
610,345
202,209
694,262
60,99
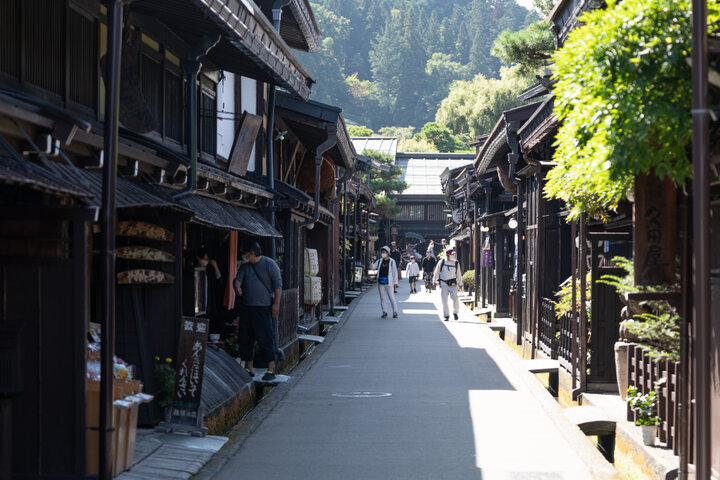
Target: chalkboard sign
189,373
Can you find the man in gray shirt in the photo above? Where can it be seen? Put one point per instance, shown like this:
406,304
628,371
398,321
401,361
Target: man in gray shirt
259,285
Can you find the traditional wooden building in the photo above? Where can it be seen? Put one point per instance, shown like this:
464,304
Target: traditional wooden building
194,83
422,217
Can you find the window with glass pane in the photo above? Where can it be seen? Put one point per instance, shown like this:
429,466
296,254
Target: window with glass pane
208,116
411,212
152,75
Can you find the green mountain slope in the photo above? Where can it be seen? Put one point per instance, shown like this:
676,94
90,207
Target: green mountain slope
391,63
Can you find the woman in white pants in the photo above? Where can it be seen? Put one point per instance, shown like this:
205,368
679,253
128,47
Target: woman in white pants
448,273
387,281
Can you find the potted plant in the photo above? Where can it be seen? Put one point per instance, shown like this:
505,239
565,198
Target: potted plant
652,324
646,407
468,279
165,376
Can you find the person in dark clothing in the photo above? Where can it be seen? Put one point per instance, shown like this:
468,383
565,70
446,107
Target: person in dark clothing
428,267
214,288
259,284
397,256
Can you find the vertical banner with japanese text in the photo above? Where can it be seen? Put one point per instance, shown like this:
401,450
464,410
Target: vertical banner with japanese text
656,231
189,371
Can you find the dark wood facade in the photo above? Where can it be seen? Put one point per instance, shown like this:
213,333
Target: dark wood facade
52,108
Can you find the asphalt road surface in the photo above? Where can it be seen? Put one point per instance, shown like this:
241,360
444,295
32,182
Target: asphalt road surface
415,398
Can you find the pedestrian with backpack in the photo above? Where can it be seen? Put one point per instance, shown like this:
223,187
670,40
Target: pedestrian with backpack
449,275
387,281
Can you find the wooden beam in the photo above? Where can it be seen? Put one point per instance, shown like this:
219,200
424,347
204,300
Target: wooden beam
293,157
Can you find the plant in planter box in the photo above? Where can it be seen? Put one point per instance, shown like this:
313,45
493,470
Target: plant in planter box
165,376
468,279
645,405
653,324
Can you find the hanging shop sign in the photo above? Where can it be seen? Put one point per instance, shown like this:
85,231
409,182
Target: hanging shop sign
144,253
313,290
149,231
312,265
144,276
656,232
244,143
457,216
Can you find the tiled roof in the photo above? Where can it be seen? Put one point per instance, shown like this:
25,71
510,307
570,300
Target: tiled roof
17,172
422,170
386,145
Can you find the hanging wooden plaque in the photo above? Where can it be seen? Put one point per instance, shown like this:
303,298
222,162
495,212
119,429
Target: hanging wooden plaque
145,253
144,230
244,143
656,233
144,276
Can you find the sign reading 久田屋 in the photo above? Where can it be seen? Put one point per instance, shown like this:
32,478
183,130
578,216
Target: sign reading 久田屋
655,241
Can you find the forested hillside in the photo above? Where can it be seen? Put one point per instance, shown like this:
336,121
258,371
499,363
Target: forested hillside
391,63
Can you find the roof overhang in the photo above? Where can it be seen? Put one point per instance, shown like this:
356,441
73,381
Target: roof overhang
309,122
249,44
298,26
215,213
496,143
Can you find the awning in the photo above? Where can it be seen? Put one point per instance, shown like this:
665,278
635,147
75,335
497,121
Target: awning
23,173
215,213
462,234
129,193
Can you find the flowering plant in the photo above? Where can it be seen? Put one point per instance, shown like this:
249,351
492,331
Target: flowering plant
165,376
644,405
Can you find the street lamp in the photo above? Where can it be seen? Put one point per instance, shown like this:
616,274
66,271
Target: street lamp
513,223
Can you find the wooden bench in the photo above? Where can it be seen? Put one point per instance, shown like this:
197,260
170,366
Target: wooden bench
329,320
311,338
543,365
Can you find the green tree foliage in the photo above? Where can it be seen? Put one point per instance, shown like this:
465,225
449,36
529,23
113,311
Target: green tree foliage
544,6
474,107
416,144
359,131
624,98
391,63
401,133
440,136
385,184
529,48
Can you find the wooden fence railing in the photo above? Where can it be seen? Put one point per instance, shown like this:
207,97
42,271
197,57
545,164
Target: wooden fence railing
648,374
548,328
565,342
288,319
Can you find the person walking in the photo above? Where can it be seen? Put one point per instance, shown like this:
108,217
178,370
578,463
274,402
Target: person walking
428,268
449,275
396,255
387,281
259,285
412,272
431,248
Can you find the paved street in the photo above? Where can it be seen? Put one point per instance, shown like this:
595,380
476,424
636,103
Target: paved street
452,402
